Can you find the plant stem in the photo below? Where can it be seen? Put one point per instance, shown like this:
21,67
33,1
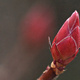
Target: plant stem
48,75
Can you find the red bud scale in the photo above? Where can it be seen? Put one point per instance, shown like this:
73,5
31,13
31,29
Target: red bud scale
65,45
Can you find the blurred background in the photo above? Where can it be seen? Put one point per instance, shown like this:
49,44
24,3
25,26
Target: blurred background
24,29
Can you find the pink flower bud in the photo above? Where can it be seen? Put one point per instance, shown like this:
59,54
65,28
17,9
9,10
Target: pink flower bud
66,43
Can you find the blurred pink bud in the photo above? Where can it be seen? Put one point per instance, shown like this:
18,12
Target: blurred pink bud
65,45
37,25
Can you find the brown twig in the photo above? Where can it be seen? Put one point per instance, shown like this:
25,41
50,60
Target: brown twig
47,75
51,73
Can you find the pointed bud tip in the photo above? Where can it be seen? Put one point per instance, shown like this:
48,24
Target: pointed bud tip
76,16
76,13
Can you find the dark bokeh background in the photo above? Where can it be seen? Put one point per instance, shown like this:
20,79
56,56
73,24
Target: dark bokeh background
23,60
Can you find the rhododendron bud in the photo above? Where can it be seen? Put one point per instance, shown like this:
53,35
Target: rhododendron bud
66,43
